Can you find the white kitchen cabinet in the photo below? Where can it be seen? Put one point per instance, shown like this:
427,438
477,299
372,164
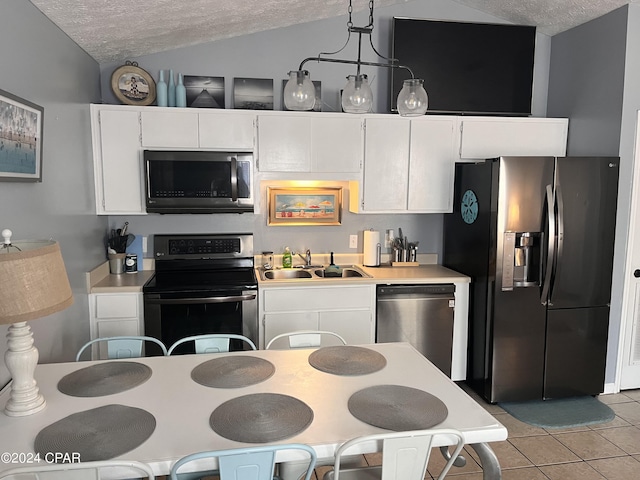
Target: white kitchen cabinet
348,310
490,137
284,143
117,157
309,143
114,314
169,128
408,166
226,130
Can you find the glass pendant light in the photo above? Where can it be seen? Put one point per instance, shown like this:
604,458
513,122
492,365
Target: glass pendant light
357,96
412,99
299,92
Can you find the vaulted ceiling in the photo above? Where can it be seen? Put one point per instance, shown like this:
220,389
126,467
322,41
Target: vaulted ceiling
111,30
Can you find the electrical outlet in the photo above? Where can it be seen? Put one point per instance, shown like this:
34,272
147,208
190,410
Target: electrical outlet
353,241
144,244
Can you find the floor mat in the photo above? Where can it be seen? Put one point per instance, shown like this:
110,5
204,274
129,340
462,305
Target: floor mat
560,413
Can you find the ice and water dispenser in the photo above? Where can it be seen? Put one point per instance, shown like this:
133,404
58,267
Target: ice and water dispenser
521,265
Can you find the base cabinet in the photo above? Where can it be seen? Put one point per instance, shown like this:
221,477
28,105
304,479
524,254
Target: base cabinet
114,314
347,310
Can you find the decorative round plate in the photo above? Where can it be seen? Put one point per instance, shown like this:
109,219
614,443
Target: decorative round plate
98,434
132,85
233,371
104,379
261,418
397,408
347,360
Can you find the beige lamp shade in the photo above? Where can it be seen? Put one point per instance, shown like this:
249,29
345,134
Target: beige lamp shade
33,281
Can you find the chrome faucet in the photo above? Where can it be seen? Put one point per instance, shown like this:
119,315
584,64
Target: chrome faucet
306,258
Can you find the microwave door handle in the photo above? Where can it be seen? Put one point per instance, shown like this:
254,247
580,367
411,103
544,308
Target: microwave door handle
195,301
234,179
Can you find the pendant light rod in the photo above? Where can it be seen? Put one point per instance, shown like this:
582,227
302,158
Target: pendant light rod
366,30
355,62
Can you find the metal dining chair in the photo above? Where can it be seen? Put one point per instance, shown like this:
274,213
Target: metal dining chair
79,471
305,338
212,343
405,456
251,463
123,346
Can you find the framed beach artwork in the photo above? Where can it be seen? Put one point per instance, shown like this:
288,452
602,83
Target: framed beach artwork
304,206
20,139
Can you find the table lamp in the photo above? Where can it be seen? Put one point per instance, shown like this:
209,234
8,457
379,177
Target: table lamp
33,284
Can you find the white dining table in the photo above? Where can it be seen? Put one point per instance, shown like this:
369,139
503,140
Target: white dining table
182,407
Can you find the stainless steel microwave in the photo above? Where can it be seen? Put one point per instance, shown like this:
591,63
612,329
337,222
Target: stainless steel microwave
198,182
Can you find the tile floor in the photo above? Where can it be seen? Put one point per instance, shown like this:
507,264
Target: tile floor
608,451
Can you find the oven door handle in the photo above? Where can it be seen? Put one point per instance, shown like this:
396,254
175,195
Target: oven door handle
194,301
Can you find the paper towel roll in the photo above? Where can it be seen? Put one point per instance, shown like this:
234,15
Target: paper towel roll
371,240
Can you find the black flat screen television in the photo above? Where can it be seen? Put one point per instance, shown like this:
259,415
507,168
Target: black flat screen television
468,68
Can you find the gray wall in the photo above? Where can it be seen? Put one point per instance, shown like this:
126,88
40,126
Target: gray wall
272,54
595,70
40,64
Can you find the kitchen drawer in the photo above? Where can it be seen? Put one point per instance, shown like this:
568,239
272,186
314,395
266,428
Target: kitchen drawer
317,298
117,306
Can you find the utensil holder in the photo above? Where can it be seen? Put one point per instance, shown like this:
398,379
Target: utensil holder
116,263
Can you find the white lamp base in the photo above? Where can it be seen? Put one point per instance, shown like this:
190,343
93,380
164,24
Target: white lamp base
21,359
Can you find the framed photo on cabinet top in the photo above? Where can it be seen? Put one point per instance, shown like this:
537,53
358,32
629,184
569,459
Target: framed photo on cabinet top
304,206
204,92
20,139
253,93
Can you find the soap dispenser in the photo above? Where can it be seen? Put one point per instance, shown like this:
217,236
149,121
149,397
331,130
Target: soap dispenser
287,260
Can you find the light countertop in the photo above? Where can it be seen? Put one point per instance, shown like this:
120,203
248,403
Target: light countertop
100,280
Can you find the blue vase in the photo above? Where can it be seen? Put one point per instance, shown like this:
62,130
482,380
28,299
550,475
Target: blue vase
181,93
161,91
171,90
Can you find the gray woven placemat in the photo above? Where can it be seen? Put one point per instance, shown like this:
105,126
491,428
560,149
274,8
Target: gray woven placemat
104,379
98,434
347,360
232,372
261,418
397,408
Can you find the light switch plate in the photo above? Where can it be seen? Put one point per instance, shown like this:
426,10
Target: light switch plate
353,241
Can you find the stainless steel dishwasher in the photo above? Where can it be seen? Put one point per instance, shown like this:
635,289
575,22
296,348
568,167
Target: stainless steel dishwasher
421,315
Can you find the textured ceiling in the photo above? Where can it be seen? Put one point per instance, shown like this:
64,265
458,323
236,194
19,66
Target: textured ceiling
111,30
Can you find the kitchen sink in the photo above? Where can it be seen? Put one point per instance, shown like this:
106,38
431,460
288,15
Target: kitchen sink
286,274
345,273
351,271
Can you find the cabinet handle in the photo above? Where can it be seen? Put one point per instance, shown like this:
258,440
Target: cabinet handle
636,273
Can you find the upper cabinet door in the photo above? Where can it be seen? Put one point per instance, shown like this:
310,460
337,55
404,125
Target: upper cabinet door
489,137
118,162
336,144
284,143
386,164
169,129
226,131
432,164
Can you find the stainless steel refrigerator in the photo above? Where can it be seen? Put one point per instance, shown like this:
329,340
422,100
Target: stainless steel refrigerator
536,236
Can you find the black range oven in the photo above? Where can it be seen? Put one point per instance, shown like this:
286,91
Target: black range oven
202,284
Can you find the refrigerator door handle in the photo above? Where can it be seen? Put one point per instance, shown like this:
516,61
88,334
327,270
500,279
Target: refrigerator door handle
559,233
546,285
